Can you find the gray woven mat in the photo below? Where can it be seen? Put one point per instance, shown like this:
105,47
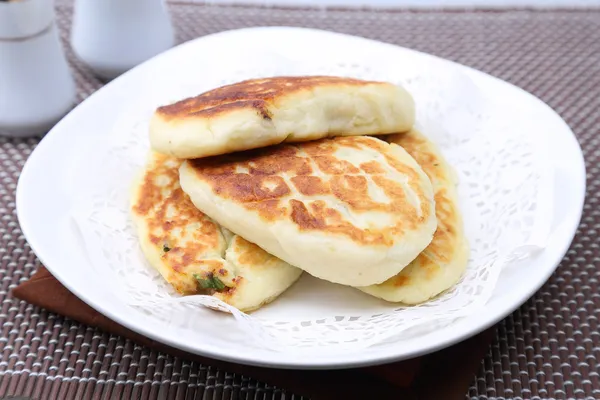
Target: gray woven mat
549,348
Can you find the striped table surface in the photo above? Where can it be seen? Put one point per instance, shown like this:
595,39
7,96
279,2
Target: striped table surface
548,348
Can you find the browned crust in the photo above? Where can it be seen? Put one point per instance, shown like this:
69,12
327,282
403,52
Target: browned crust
264,180
446,235
252,94
167,211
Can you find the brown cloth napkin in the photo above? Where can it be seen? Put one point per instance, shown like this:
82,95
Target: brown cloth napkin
445,374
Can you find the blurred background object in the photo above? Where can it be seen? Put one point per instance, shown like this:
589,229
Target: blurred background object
36,85
417,3
113,36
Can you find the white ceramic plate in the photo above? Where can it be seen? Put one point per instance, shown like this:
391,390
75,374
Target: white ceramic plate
46,192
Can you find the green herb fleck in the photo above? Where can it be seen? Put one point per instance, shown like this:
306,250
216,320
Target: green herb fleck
166,248
210,282
436,164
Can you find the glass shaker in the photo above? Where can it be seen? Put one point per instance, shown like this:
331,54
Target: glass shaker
36,85
113,36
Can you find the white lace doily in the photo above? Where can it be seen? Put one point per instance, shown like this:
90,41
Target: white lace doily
503,176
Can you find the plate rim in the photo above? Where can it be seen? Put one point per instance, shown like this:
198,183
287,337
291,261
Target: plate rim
574,220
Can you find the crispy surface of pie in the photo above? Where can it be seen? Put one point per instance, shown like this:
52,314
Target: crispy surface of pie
262,112
192,252
443,262
353,210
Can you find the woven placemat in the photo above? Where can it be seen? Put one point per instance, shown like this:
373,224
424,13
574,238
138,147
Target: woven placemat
549,348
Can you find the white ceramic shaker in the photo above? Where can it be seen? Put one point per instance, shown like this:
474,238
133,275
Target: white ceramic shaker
113,36
36,85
